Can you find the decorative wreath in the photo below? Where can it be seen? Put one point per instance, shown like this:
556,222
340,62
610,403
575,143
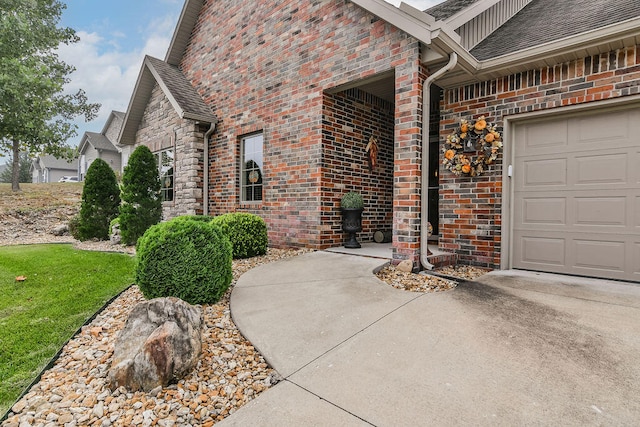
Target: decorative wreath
471,147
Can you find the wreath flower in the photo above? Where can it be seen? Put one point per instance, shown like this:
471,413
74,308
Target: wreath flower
471,147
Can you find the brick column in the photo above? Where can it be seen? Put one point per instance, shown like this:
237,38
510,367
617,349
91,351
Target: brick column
407,155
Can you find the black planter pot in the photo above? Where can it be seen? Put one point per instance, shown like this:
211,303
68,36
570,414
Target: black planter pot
351,224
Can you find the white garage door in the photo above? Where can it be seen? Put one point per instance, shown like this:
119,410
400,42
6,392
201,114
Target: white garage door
577,194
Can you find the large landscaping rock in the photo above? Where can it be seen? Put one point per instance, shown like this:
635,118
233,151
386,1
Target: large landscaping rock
161,343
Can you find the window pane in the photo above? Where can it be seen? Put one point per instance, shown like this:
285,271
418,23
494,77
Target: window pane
165,169
252,162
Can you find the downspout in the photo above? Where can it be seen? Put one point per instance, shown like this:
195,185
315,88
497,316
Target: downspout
205,172
424,191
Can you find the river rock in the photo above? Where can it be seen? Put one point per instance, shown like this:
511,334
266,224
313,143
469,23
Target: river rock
161,343
406,266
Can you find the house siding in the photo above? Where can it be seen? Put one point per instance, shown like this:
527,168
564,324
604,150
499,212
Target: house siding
471,208
265,66
161,128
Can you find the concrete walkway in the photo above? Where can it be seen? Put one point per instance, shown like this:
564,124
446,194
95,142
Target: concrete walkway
510,349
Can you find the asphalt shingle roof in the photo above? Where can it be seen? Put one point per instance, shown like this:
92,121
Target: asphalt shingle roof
182,91
100,141
448,8
543,21
51,162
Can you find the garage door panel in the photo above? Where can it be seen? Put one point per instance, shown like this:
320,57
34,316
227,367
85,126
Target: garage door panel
613,127
601,169
576,194
553,136
545,172
635,260
601,211
543,251
599,255
544,211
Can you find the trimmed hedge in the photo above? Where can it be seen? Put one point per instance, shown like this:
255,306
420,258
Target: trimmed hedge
185,258
247,233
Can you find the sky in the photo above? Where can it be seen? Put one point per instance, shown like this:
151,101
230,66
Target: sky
114,37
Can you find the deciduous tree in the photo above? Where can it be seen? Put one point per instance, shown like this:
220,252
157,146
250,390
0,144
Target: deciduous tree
35,113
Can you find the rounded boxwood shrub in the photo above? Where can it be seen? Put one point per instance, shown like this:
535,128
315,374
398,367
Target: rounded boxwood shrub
247,233
185,258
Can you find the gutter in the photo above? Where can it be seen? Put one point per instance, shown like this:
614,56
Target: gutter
205,172
424,192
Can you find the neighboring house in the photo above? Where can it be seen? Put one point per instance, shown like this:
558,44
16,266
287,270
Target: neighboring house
102,146
49,169
268,107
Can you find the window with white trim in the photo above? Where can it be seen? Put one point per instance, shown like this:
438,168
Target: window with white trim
165,161
251,167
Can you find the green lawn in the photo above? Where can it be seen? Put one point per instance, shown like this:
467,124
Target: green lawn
63,288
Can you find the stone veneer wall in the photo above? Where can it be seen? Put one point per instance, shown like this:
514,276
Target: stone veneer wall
161,128
265,66
113,131
471,208
350,119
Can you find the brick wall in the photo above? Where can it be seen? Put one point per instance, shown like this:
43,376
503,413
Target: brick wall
470,208
265,66
161,128
350,119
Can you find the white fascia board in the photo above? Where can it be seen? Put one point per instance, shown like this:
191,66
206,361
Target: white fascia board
398,18
417,13
613,32
164,88
142,75
430,20
445,44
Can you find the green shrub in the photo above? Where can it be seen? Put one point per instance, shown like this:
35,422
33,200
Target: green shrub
247,233
100,202
74,223
142,205
186,258
352,200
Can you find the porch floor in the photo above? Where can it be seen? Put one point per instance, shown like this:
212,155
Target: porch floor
438,257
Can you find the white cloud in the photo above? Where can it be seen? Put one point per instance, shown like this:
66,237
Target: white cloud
107,73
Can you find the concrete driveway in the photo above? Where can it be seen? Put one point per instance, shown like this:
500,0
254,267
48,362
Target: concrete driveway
513,348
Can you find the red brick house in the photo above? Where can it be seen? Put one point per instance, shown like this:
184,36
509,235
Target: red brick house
268,107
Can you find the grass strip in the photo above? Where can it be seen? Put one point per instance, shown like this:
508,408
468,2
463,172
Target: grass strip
63,288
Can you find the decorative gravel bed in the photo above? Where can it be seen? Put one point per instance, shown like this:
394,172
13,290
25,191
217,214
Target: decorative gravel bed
465,272
74,392
414,282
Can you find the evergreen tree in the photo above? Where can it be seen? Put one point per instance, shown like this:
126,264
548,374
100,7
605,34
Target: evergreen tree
100,202
25,173
141,202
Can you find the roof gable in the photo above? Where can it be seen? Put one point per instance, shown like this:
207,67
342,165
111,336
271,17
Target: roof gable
181,94
182,33
113,116
100,141
50,162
